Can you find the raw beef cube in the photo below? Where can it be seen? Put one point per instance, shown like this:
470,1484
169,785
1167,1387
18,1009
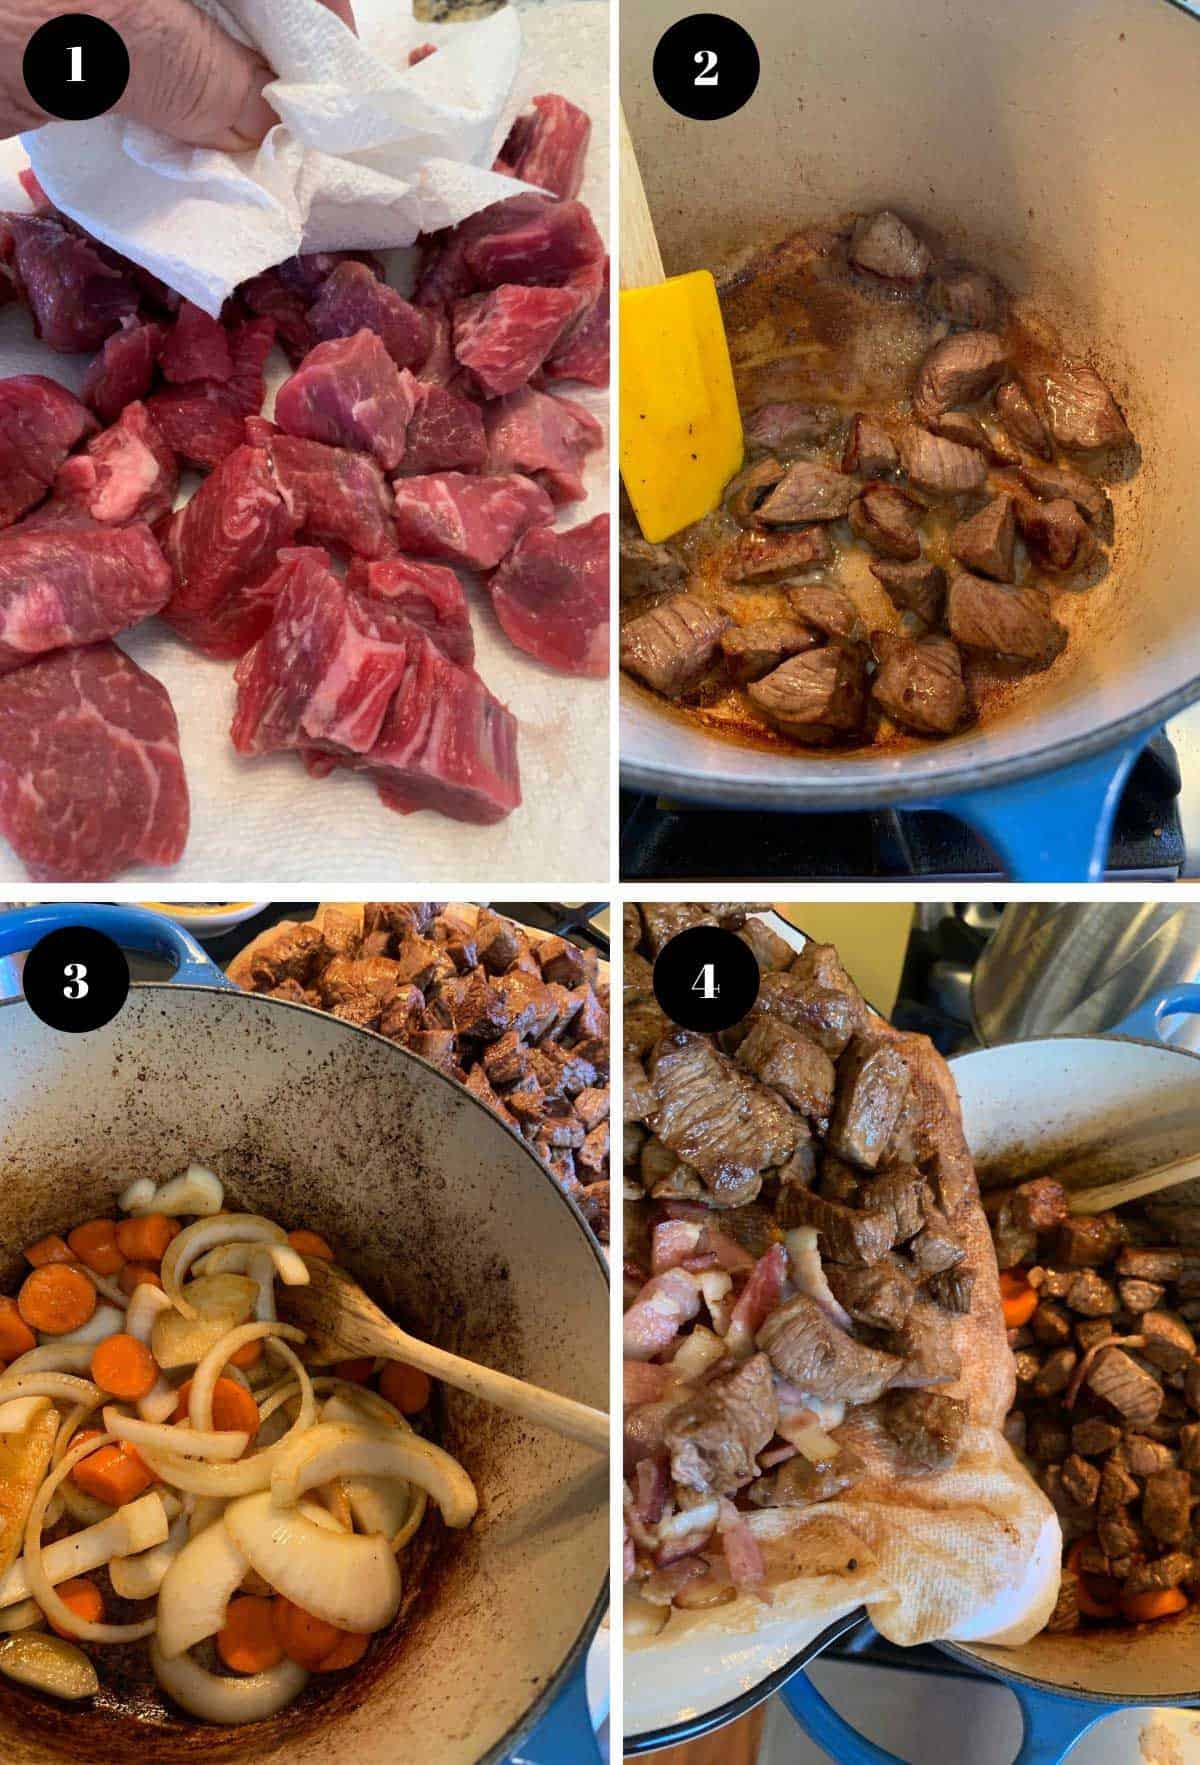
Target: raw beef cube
91,778
429,595
322,671
544,437
582,353
546,249
75,587
127,474
76,296
250,344
221,547
464,520
197,348
445,275
439,367
353,299
267,296
344,496
40,422
124,369
350,393
504,336
551,596
549,147
445,432
202,420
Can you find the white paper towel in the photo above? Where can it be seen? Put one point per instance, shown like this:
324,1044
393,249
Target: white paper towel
369,152
263,824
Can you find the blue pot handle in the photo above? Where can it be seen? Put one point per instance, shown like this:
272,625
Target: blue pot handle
131,927
1146,1020
1055,827
565,1735
1051,1725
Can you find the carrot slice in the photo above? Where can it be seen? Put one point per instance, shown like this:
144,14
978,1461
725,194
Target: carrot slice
124,1366
407,1387
115,1474
137,1274
233,1406
247,1642
357,1372
145,1238
248,1355
95,1244
15,1335
49,1249
84,1599
310,1244
303,1638
56,1299
1018,1299
348,1653
1158,1602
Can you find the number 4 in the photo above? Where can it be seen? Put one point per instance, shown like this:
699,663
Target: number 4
705,983
706,60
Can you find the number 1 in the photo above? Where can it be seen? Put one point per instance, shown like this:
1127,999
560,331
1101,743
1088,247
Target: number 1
705,983
707,60
75,77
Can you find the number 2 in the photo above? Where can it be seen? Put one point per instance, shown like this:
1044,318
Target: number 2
75,975
706,60
75,53
705,983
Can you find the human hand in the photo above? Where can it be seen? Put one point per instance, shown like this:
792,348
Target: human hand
187,76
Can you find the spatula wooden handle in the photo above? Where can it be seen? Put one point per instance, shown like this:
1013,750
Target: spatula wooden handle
641,260
1109,1195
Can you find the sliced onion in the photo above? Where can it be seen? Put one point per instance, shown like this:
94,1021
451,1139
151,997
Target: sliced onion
418,1502
40,1584
210,1697
197,1191
136,1527
246,1475
23,1616
52,1357
333,1449
197,1588
204,1234
378,1504
18,1412
345,1578
214,1444
106,1320
106,1288
337,1504
139,1196
140,1577
73,1419
145,1305
209,1369
216,1303
261,1270
204,1510
817,1447
159,1402
62,1387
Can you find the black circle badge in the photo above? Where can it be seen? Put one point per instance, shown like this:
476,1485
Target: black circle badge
706,979
76,66
706,66
76,979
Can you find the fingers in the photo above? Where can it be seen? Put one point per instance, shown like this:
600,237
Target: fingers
191,80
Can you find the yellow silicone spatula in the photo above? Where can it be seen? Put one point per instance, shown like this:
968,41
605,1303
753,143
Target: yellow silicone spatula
681,432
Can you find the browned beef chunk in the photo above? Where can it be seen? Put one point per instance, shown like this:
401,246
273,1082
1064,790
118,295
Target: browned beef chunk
530,1003
1051,1324
674,645
1056,1371
591,1160
957,371
919,682
1169,1571
935,1247
1170,1345
480,1010
291,954
1145,1456
717,1118
762,557
968,431
825,1009
902,1196
881,1296
887,247
1014,1243
498,941
506,1060
295,994
1088,1241
1052,483
422,963
818,697
918,588
750,651
940,467
361,1009
745,494
1016,411
847,1234
884,518
798,1482
1056,533
1094,1436
345,976
1048,1440
1091,1295
1040,1204
792,1064
401,1013
869,448
770,950
1002,450
714,1439
873,1086
1118,1379
968,296
665,918
1082,411
562,961
984,542
826,607
923,1344
820,965
807,492
1004,621
644,1024
952,1289
438,1046
1167,1504
787,420
809,1349
801,1168
926,1426
1140,1296
1189,1446
839,1180
1150,1264
1117,1534
646,567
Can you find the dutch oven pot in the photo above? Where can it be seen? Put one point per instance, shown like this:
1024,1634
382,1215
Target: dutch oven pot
1048,142
451,1223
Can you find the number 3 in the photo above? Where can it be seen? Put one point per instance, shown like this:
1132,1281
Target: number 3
706,59
75,974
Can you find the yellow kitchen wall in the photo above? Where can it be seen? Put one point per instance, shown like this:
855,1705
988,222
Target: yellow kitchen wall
871,939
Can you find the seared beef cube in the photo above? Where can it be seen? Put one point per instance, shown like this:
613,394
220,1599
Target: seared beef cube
873,1087
1065,1616
715,1438
886,246
827,608
1004,621
717,1118
918,588
840,1181
593,1202
401,1013
808,1348
645,567
818,697
596,1051
1189,1447
1088,1241
770,950
1081,1480
576,1076
1191,1385
1048,1439
361,1009
498,941
1050,1283
801,1167
559,1126
480,1010
673,646
1027,1366
927,1354
807,492
592,1157
507,1060
591,1013
294,993
1170,1345
919,682
1056,533
1165,1265
528,1103
1117,1534
902,1196
763,557
478,1083
798,1483
745,494
1089,1331
1091,1295
1014,1243
562,961
968,296
788,420
404,919
1056,1372
1094,1436
1167,1504
545,1072
1140,1296
792,1064
566,1007
952,1289
869,448
1040,1204
1053,483
1076,1522
884,518
846,1234
935,1248
881,1296
750,651
292,953
1163,1572
422,963
984,542
440,1047
529,1002
1081,410
968,431
1136,1394
1145,1456
957,371
1016,411
1051,1325
926,1426
940,467
810,998
665,918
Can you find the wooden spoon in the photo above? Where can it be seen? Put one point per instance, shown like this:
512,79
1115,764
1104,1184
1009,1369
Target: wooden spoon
1164,1176
342,1323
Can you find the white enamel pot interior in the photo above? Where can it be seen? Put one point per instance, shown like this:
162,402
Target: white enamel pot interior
1052,143
449,1221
